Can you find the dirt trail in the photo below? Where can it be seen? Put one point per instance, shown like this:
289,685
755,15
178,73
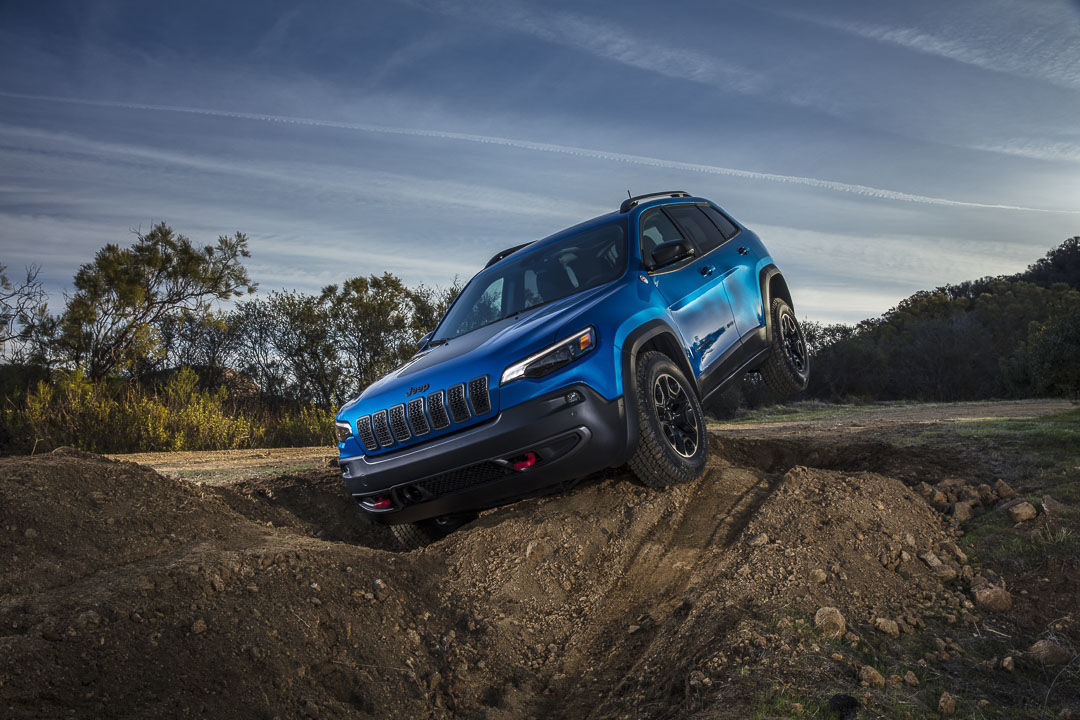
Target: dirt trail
871,419
133,594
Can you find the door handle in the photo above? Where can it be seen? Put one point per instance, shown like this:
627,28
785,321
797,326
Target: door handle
744,251
707,270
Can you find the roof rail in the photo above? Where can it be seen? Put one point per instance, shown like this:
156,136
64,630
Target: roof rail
508,251
631,202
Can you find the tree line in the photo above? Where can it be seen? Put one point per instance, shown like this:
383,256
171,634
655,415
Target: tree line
1006,336
139,314
163,345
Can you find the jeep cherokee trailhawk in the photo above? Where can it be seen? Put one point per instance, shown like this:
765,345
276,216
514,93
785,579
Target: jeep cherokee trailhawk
589,349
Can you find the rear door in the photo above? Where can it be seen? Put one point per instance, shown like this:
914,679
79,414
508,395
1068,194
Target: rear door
733,263
694,292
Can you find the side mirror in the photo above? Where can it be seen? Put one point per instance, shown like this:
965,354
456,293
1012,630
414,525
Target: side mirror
424,340
671,252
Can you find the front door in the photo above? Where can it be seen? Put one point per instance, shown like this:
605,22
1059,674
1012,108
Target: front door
694,292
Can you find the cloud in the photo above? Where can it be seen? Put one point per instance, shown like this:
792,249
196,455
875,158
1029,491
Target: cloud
603,39
889,267
1036,149
641,160
1018,40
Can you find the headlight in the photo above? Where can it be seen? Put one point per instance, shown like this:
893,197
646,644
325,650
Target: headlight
342,430
552,358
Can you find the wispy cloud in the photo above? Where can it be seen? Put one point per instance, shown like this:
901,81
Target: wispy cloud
641,160
1012,39
1036,149
336,180
604,39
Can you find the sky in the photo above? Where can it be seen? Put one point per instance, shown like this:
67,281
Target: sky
876,148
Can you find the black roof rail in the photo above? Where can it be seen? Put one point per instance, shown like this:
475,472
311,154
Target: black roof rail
631,202
508,251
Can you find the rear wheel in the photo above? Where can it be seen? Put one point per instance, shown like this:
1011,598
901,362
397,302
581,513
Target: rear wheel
787,369
672,444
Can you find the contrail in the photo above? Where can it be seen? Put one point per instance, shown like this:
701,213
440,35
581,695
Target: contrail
864,190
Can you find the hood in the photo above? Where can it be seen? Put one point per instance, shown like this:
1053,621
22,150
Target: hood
456,368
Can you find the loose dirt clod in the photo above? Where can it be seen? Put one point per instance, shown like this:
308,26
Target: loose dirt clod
1022,511
1048,652
946,704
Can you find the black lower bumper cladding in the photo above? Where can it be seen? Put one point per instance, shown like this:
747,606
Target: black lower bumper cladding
552,439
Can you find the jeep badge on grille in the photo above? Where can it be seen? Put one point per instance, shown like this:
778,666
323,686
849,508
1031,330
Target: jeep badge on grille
418,389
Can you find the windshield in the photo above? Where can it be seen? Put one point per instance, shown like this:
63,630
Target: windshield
575,263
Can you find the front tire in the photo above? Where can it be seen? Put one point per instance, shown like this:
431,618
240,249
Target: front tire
672,446
787,369
411,536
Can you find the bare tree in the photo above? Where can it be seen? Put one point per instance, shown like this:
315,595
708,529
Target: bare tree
21,304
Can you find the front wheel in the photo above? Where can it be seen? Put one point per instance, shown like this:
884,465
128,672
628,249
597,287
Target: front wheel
672,444
787,369
410,536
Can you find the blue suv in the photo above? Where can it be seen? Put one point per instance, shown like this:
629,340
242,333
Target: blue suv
592,348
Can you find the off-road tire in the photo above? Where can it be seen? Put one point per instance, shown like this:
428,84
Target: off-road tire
410,536
787,369
656,462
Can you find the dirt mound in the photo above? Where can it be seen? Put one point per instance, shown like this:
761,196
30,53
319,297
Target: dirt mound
132,594
313,503
67,514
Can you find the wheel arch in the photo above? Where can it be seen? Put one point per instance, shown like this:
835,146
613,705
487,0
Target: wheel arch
653,335
773,285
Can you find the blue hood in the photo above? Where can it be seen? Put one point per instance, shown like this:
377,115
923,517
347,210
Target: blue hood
484,352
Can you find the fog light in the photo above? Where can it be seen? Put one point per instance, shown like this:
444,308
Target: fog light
573,397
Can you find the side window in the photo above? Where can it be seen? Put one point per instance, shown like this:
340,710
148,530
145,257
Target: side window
656,228
728,228
697,225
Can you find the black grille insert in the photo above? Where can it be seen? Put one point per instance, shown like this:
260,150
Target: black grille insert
417,420
478,395
382,429
459,409
463,478
436,405
398,425
363,429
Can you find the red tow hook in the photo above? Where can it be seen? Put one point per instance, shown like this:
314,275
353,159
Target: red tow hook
380,503
527,461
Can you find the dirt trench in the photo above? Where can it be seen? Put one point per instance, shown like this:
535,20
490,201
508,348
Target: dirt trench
131,594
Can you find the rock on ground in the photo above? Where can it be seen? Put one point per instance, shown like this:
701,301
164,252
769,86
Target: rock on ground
1049,652
831,622
871,677
993,598
946,704
1022,512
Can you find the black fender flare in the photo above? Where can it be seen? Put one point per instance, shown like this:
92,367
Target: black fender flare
654,330
765,281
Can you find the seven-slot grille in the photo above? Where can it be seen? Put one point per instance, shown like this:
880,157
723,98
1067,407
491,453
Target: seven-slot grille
459,410
436,407
417,420
382,429
478,395
398,425
403,422
363,429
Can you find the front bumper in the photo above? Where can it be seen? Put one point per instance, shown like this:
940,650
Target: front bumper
474,468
